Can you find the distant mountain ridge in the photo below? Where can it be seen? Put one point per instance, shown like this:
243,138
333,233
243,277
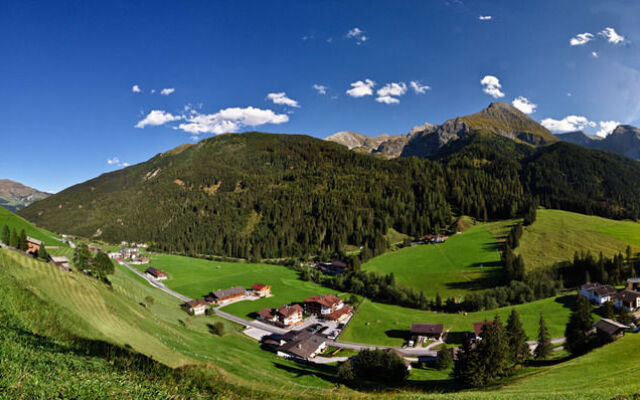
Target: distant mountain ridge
15,196
625,140
426,140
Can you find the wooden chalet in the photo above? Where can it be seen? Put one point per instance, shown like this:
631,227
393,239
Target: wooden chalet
226,295
156,274
422,332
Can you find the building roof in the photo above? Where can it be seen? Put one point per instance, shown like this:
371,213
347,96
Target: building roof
34,241
267,313
633,280
628,296
303,348
426,329
259,286
605,291
59,259
338,264
224,293
155,272
296,335
337,314
288,310
328,300
610,327
478,326
196,303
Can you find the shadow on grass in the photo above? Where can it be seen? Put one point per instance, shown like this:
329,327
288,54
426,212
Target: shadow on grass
457,337
492,246
567,301
398,334
490,279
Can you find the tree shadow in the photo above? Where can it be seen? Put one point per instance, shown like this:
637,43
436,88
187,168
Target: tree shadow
567,301
457,337
490,279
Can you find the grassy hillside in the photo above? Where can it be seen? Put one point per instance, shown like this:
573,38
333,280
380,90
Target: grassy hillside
14,221
557,235
389,325
196,277
463,263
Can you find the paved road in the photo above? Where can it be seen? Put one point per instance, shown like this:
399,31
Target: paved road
156,284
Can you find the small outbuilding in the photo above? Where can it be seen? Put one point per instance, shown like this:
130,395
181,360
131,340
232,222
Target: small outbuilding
156,274
422,332
61,262
609,329
34,245
197,307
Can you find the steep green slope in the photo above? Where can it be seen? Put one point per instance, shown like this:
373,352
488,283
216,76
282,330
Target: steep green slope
18,223
464,263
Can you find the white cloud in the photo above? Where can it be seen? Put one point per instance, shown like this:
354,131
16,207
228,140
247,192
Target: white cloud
281,98
491,86
153,91
116,161
418,87
525,105
606,127
358,35
136,89
167,91
361,88
567,124
229,120
387,100
581,39
157,117
390,92
612,36
594,54
321,89
485,17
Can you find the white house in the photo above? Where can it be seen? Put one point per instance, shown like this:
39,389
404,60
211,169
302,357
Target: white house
628,299
597,293
197,307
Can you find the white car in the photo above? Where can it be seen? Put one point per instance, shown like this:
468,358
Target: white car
411,343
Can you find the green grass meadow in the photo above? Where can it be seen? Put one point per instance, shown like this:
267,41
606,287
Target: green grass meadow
196,277
464,263
388,325
18,223
557,235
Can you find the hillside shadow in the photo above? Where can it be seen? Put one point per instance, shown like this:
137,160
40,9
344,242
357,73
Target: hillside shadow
490,279
492,246
457,337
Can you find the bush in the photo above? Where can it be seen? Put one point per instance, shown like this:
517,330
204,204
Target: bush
444,360
217,328
375,366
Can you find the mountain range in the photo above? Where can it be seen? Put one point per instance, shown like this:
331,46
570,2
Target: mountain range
257,195
426,140
15,196
625,140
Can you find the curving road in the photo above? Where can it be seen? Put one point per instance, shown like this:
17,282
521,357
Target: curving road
408,351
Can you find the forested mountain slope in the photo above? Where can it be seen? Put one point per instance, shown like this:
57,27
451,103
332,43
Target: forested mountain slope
267,195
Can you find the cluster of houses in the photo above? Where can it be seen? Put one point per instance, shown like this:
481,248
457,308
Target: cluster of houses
130,254
628,298
225,296
327,307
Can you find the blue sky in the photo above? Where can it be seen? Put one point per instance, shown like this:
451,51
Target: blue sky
67,104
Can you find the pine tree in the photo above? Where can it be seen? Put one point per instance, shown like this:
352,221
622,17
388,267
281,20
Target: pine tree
438,302
23,244
43,253
6,235
544,347
13,240
517,339
580,323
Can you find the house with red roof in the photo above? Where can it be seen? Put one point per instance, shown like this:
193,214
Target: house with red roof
284,316
329,307
261,290
197,307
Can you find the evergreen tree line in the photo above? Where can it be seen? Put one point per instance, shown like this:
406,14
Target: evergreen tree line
499,353
12,238
586,268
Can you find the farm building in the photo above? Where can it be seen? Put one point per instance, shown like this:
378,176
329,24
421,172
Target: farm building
285,316
226,295
609,329
197,307
422,332
478,328
301,345
597,293
633,283
61,262
629,299
261,290
34,245
156,274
